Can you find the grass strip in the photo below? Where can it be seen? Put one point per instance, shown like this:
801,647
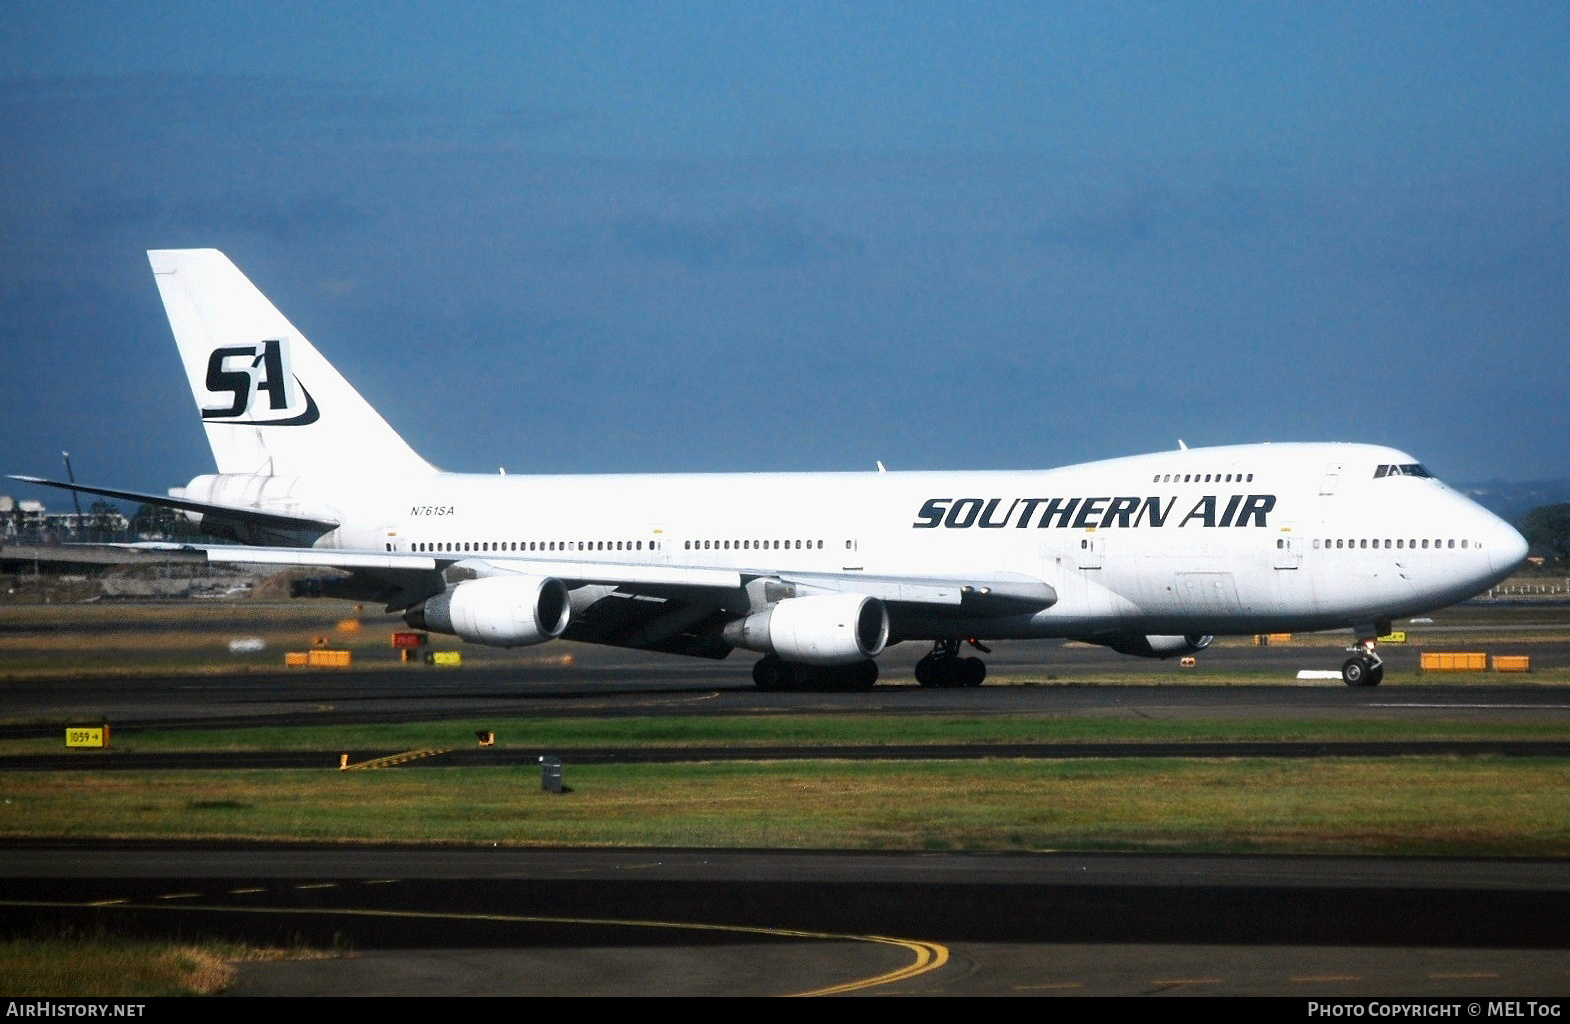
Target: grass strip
73,967
1394,806
513,733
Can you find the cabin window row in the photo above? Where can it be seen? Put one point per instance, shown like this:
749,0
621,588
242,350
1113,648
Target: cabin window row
532,545
1386,543
1202,478
754,545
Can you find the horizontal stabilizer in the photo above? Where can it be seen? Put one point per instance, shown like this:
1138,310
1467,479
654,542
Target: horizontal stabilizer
256,517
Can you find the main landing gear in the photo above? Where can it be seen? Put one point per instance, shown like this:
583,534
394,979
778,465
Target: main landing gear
774,674
1364,667
945,668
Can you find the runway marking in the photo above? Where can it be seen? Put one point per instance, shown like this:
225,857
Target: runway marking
1327,977
245,892
106,903
1186,981
178,896
1485,707
685,700
318,885
392,759
928,956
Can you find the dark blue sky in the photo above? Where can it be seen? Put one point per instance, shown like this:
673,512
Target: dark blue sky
779,236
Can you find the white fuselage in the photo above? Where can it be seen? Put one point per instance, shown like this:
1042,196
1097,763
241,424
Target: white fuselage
1242,539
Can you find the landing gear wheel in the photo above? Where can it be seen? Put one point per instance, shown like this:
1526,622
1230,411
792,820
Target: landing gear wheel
863,675
944,668
1360,671
768,673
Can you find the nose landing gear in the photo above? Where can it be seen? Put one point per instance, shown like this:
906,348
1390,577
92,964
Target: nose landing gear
1364,667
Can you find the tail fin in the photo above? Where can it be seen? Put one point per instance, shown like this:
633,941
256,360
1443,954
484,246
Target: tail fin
270,403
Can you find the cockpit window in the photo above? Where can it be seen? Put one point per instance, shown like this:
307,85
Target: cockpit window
1409,469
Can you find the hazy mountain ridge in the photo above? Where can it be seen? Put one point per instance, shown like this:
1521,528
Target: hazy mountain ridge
1510,500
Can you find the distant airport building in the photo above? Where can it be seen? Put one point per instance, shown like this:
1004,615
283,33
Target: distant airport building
30,520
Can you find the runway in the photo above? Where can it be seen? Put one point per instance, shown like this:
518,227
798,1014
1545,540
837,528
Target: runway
685,922
501,921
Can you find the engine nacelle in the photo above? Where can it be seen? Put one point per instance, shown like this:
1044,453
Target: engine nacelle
826,629
1154,646
501,611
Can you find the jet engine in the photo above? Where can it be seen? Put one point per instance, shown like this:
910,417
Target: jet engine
1142,646
825,629
501,611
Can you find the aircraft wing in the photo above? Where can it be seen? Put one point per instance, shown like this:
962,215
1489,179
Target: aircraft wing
997,593
982,594
673,608
569,572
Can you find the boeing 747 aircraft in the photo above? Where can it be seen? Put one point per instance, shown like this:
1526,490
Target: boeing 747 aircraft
1150,555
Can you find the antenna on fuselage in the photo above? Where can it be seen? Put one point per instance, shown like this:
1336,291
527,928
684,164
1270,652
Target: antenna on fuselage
1181,446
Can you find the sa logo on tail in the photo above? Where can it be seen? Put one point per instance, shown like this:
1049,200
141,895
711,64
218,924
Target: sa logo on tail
244,373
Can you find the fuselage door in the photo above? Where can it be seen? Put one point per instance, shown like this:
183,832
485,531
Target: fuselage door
664,544
1332,477
1289,551
1090,551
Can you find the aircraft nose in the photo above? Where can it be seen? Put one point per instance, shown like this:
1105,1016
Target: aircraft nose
1505,546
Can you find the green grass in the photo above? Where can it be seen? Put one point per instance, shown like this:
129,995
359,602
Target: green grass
70,966
1409,806
817,730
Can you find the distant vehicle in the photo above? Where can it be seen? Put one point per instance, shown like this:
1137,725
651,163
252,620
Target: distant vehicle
1150,555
